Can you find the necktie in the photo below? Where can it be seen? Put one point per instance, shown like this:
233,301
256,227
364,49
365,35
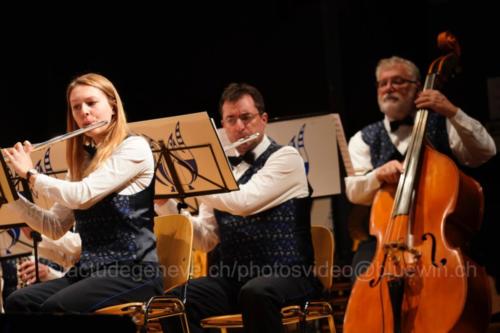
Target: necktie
396,123
248,157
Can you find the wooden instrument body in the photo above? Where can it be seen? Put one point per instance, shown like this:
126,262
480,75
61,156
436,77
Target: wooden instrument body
444,291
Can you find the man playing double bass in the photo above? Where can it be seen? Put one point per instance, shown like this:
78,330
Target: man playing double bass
378,150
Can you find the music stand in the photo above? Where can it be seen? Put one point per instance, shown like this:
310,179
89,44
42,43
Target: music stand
8,194
190,160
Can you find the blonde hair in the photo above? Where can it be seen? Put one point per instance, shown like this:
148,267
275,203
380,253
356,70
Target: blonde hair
412,69
116,131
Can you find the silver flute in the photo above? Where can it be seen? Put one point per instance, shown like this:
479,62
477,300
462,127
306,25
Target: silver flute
241,141
62,137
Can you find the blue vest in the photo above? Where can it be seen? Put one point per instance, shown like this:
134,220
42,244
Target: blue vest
274,241
382,149
118,229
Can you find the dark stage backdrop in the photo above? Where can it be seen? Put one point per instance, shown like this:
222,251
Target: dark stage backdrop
305,56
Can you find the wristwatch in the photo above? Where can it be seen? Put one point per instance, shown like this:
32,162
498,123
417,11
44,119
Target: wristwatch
31,172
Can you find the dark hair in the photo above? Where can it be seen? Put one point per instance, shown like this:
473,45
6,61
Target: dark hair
234,91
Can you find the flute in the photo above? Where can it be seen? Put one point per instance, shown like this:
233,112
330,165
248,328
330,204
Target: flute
62,137
241,141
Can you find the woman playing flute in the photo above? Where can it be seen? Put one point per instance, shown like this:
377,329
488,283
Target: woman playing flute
107,195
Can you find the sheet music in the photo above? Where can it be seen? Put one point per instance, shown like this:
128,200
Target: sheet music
342,142
189,155
314,137
8,192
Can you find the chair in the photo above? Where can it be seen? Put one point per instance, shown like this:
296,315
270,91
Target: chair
296,314
174,235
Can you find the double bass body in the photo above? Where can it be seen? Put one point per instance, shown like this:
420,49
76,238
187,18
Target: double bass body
432,286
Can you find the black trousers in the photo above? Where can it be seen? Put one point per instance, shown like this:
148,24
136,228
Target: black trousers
85,292
363,257
259,300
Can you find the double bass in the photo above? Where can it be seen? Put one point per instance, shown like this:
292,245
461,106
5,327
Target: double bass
421,279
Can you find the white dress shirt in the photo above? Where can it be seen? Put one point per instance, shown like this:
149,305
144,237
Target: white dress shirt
469,141
281,178
128,170
64,251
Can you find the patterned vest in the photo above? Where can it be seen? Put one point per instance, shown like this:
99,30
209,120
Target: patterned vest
277,238
382,149
118,229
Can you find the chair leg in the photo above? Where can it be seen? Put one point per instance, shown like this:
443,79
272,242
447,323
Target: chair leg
303,317
184,323
331,324
302,326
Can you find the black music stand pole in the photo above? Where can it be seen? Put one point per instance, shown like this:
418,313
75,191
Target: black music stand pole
35,235
37,238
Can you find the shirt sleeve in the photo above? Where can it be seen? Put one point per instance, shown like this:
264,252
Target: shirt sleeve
65,251
53,222
205,228
362,187
53,274
280,179
130,167
470,142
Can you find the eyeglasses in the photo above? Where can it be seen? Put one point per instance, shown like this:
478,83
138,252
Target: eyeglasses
396,82
245,118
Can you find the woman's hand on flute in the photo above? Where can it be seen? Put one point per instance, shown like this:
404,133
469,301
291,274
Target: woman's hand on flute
18,157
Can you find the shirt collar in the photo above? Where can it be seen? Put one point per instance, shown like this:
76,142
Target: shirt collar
262,146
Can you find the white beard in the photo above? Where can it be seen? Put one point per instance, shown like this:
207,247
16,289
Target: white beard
395,106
